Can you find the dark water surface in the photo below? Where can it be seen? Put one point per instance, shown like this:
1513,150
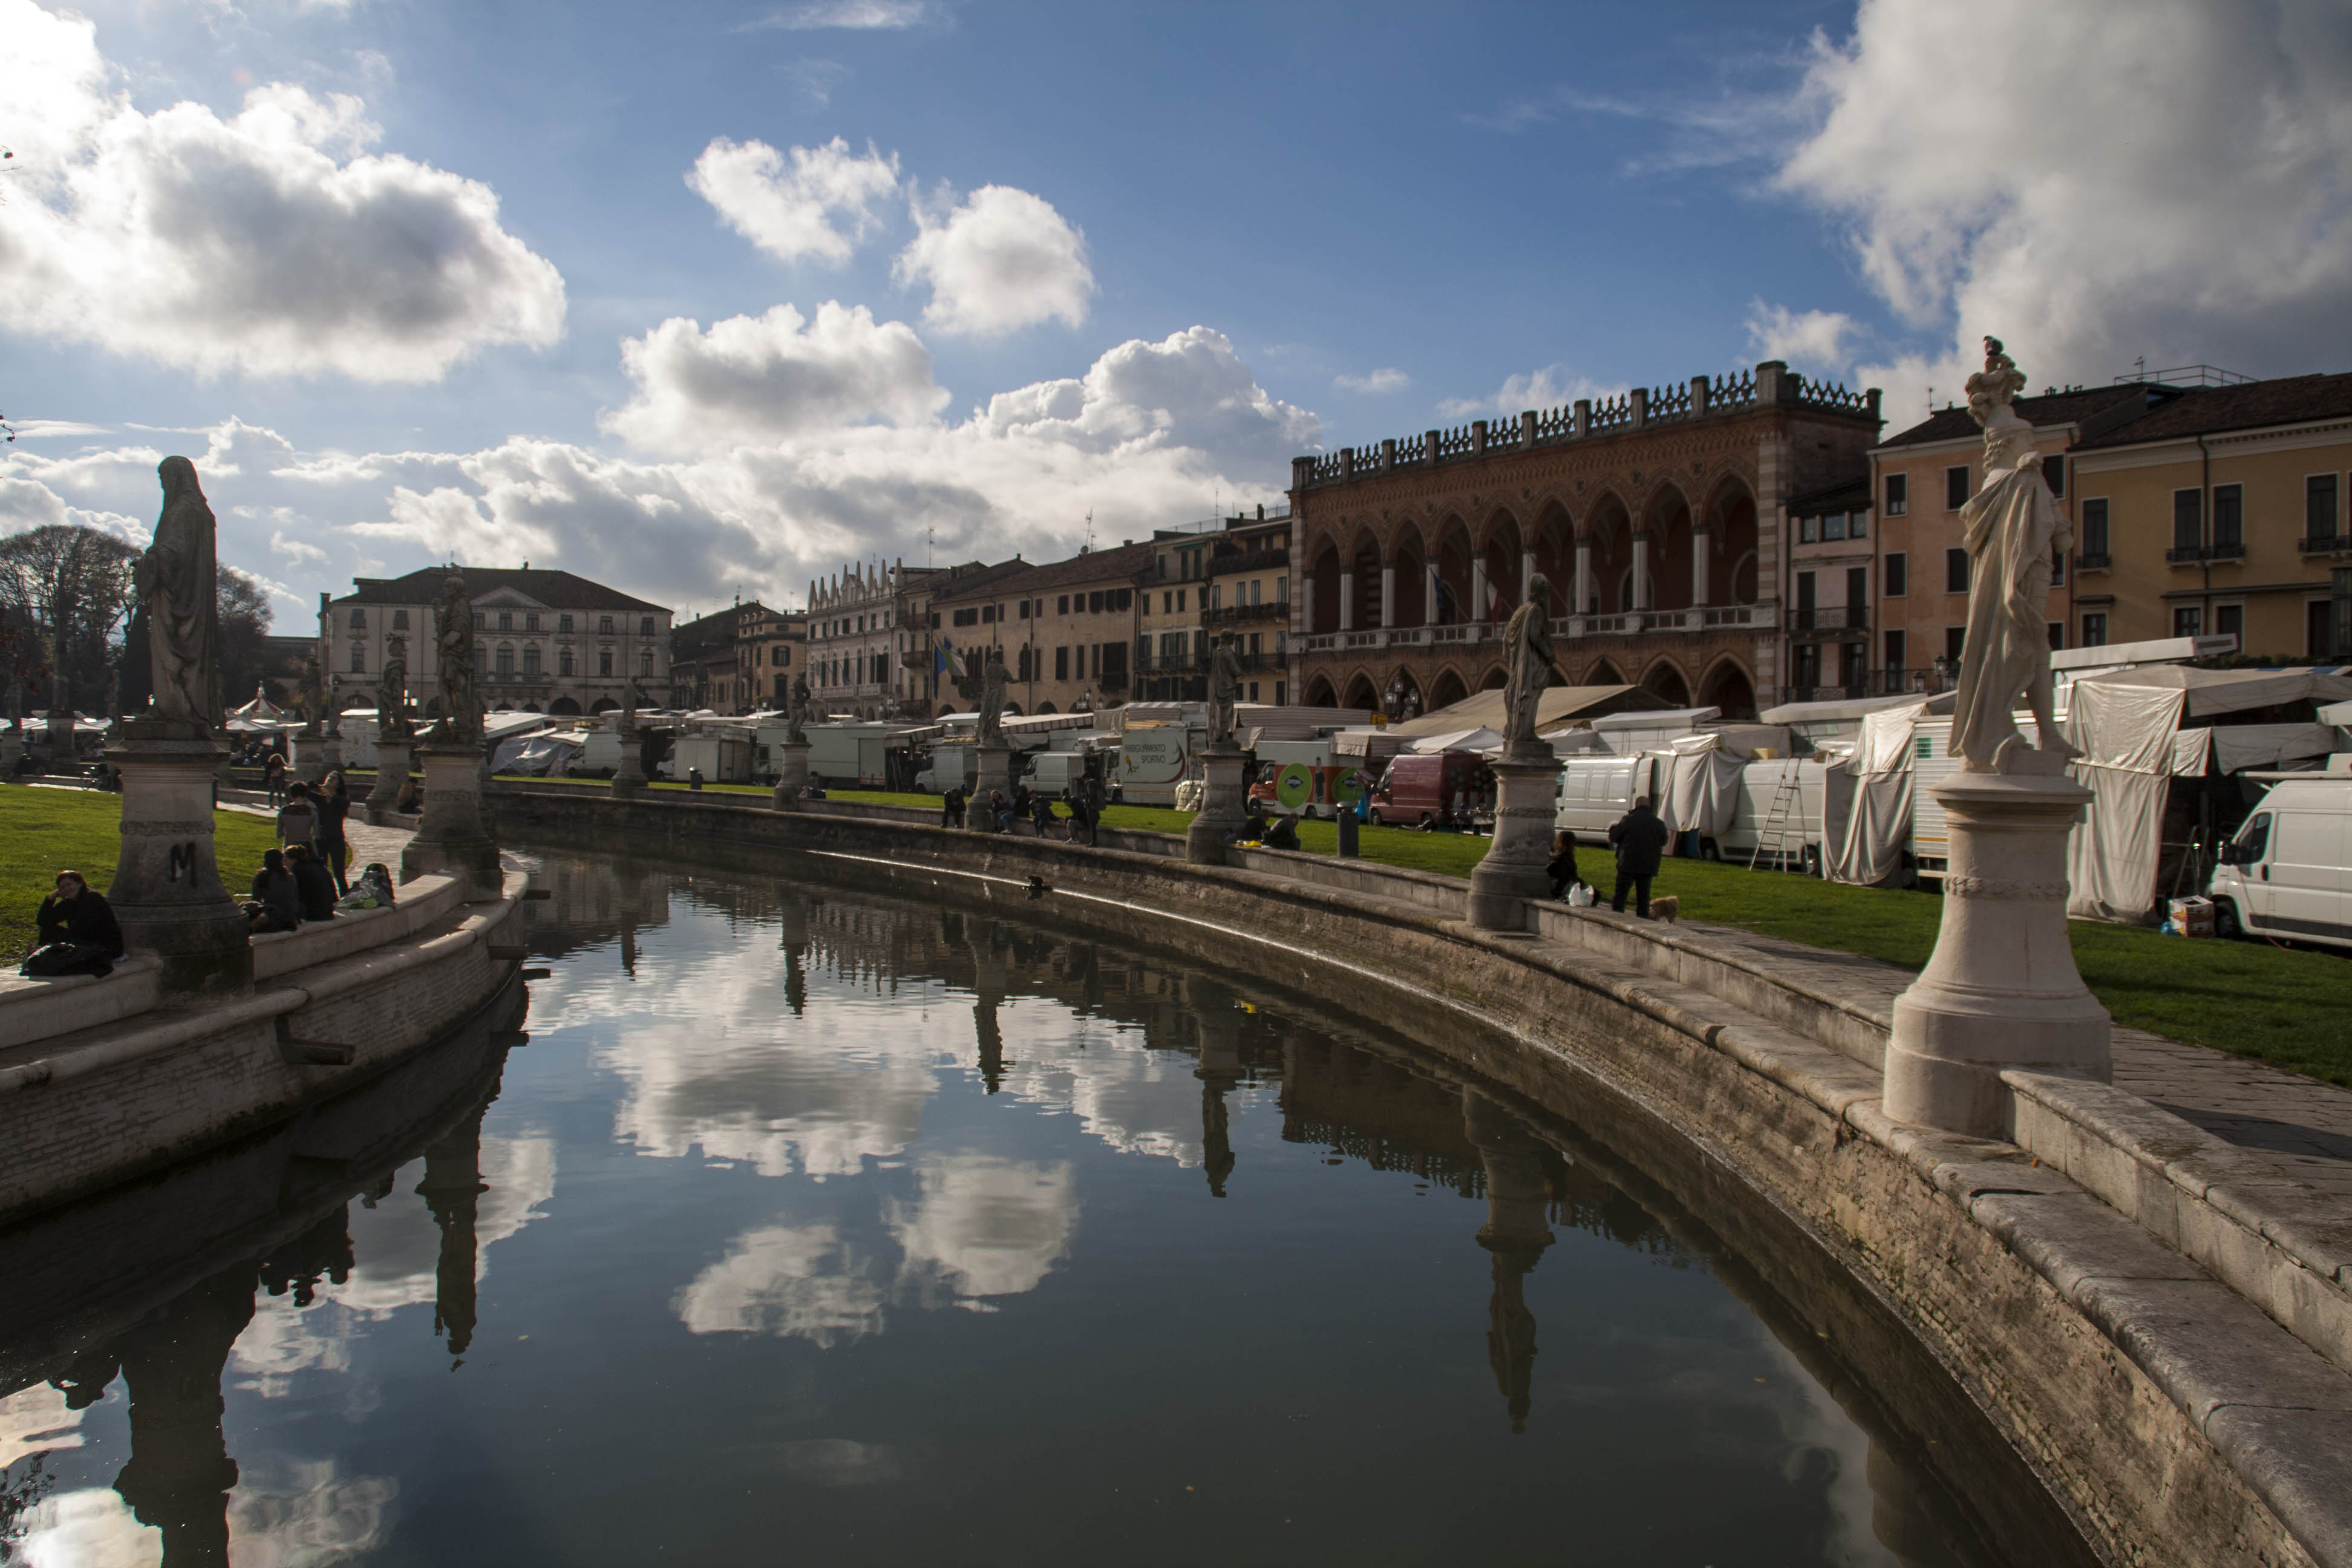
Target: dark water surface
817,1227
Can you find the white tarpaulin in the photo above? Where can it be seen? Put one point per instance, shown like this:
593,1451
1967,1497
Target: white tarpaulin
2192,752
1481,739
2237,747
1702,787
2210,691
1869,849
2123,726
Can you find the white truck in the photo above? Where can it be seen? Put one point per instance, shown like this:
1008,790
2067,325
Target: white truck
1781,816
952,768
1153,758
1932,762
850,756
724,757
2288,873
1595,790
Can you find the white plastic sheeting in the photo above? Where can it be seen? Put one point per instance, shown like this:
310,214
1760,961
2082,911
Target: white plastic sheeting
2239,746
2124,728
1702,788
1878,823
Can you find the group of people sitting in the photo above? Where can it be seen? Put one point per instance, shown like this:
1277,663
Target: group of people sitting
1270,833
999,813
293,886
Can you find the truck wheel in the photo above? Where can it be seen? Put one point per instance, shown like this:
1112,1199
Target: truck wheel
2225,918
1428,823
1373,818
1708,849
1812,860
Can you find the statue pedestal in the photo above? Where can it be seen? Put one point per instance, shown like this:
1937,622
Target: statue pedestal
310,758
167,890
12,748
1526,793
451,838
991,769
792,775
1223,808
629,778
2002,990
392,762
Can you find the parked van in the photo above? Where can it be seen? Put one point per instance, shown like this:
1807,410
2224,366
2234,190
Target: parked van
2288,873
1797,839
1418,790
1153,758
952,768
1304,778
1932,762
1594,792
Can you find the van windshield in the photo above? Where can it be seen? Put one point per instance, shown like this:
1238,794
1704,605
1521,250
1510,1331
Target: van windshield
2252,839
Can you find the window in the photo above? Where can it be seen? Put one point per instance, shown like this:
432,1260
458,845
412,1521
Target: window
1833,525
505,620
2054,473
1809,529
2187,519
2187,621
1168,604
969,617
2094,628
1256,646
1123,599
2229,517
1094,604
1893,650
530,658
645,625
563,623
1857,594
1956,570
400,620
2319,507
1062,605
988,614
2094,532
506,658
1061,664
531,620
481,622
1281,596
2056,632
1110,662
1280,689
1809,666
1025,616
605,627
563,662
1955,643
1179,601
2057,567
2230,621
2253,839
1857,525
1253,695
1805,602
605,661
359,659
359,620
1898,495
1955,488
1897,568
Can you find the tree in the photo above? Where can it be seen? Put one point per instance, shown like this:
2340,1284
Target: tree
71,586
245,618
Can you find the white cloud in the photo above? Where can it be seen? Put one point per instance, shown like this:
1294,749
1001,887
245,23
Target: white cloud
1815,338
39,429
2150,177
861,15
1549,388
267,244
1386,379
755,378
1000,260
822,205
792,1281
984,1226
299,551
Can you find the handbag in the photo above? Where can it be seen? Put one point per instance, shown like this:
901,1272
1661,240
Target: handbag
62,958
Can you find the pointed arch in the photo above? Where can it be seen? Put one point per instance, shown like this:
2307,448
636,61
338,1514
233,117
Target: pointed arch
1409,554
1361,693
1667,515
1602,673
1608,527
1320,693
1501,546
1728,686
1448,689
1664,681
1453,553
1323,582
1496,678
1732,552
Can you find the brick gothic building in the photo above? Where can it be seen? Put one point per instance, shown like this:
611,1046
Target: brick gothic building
1657,517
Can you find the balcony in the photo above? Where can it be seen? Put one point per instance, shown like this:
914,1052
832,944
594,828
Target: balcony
1852,619
1243,563
2184,555
2233,551
2327,544
1248,615
2091,560
1169,664
1632,623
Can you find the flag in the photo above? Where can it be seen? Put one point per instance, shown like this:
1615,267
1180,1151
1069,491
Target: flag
943,656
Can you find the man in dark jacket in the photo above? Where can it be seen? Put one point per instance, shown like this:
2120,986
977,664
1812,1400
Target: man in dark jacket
312,880
1641,841
277,899
75,914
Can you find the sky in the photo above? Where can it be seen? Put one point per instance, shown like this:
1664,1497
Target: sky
705,300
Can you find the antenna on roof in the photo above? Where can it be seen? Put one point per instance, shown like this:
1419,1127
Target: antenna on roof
2139,367
1090,531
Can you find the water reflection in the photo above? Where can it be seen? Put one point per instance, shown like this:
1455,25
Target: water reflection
865,1200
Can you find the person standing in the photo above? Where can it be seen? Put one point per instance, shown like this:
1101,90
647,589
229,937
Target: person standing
333,808
1641,841
297,819
273,778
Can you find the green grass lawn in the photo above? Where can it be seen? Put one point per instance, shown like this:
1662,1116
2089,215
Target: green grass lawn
44,831
2253,999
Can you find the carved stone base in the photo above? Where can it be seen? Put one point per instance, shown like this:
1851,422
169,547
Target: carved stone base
991,769
1224,807
2002,990
629,778
167,890
450,837
792,774
392,764
310,759
1526,795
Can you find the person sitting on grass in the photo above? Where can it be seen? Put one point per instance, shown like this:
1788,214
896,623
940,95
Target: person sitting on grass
1252,830
1561,867
312,881
1282,834
276,902
371,890
78,931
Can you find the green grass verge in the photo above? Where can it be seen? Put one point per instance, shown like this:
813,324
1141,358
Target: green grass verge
44,831
2251,998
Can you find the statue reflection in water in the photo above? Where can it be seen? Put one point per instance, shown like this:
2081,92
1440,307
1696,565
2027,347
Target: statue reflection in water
1515,1234
1220,1071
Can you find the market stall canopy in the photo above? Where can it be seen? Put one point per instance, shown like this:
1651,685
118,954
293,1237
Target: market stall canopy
260,713
2210,691
1478,740
1851,710
1561,705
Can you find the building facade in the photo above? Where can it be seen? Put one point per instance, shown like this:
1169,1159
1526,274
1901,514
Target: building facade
1170,645
1831,616
1068,629
741,660
544,641
2222,510
1656,516
1248,595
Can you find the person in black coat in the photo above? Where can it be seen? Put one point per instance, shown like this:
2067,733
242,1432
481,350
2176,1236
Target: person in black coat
277,898
78,914
331,803
1561,867
310,880
1641,841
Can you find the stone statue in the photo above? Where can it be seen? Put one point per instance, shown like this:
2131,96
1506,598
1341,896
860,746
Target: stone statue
1224,689
453,650
392,699
797,711
1526,653
991,701
177,584
314,694
2009,527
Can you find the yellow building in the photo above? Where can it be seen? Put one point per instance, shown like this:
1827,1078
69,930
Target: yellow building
2220,510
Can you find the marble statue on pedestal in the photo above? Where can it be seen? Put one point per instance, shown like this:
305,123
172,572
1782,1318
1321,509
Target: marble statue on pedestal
177,584
453,650
2009,527
797,710
991,730
1224,689
392,701
1528,665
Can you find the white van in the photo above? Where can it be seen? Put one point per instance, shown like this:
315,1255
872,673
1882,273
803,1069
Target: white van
1594,792
2288,873
1797,837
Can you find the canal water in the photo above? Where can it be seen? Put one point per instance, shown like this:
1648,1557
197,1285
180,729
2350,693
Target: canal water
818,1225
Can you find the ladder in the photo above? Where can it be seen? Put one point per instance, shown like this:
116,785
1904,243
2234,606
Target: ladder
1783,817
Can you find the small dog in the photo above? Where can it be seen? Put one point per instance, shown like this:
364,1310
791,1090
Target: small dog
1668,908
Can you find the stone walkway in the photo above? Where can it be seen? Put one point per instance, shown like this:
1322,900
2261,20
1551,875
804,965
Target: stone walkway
368,843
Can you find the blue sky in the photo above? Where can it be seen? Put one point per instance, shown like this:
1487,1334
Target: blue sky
597,287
